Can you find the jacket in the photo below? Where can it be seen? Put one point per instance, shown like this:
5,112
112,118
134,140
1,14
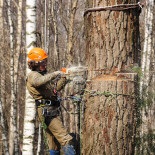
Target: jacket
41,86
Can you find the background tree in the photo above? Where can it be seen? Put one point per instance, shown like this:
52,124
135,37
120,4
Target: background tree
13,130
3,127
58,14
147,87
30,111
4,134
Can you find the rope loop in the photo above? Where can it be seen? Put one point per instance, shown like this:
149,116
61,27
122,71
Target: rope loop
120,7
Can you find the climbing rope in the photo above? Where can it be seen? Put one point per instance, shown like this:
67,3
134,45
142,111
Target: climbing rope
74,98
78,98
120,7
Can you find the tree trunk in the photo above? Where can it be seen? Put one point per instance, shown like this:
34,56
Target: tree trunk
112,43
109,120
16,76
72,107
70,35
13,142
112,39
4,133
147,86
30,111
55,40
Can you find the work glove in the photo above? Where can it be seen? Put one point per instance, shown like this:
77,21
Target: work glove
61,80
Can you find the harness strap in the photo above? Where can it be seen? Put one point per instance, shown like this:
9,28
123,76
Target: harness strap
45,102
50,110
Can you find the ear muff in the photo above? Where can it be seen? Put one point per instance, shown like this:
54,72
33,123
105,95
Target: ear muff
33,65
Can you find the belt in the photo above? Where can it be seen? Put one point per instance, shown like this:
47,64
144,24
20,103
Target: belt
46,102
46,112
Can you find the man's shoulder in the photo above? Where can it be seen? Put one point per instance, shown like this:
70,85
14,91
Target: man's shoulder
34,73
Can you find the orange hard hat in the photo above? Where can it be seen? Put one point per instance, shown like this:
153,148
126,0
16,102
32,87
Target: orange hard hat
37,54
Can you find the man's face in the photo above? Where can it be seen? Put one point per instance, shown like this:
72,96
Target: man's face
43,65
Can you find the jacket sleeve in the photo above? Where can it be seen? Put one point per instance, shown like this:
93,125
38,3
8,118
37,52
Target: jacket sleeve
37,80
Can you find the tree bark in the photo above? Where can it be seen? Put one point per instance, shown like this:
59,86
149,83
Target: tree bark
4,133
109,120
55,40
112,39
30,111
72,111
16,75
147,86
70,35
112,47
13,140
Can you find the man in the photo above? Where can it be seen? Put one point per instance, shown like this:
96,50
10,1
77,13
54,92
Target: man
43,88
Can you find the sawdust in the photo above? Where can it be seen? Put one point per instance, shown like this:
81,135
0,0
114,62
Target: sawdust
120,77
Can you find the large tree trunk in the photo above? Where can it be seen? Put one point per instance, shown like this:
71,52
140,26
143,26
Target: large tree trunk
112,39
112,45
109,123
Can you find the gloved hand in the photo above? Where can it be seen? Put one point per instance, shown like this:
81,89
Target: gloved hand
62,74
60,80
58,73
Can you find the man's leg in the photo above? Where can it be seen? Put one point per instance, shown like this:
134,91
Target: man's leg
61,134
53,144
54,147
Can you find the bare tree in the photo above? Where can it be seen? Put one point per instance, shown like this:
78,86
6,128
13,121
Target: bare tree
4,133
30,111
147,86
13,134
16,68
71,23
55,29
3,126
70,34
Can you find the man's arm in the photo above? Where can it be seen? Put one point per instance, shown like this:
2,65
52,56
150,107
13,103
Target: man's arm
37,80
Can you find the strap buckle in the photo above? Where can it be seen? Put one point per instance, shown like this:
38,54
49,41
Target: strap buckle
47,102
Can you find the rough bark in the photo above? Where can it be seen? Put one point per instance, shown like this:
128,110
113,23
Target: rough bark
109,120
147,86
13,142
70,34
112,46
55,40
112,39
4,133
16,75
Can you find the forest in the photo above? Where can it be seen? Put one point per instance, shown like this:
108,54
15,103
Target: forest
108,49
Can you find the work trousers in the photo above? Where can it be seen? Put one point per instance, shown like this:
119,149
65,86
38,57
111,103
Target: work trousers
56,133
